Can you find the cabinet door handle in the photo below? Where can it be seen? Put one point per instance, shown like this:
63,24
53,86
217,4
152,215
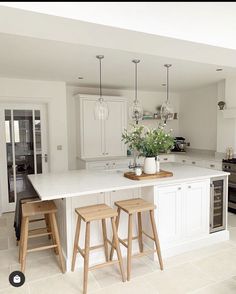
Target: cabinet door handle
189,187
179,188
165,158
193,162
212,165
183,160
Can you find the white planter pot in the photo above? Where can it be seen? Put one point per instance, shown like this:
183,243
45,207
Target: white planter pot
150,165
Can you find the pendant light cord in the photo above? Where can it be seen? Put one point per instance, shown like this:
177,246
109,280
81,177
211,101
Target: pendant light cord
136,82
167,84
100,71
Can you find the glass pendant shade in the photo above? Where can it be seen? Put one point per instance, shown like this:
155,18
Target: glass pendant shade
136,111
101,110
167,112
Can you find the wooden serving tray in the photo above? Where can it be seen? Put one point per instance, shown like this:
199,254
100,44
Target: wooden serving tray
161,174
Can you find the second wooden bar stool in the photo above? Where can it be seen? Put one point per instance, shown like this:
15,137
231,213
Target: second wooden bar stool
132,206
95,213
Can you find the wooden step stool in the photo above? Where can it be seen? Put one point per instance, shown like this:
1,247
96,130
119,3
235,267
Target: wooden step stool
31,209
131,207
94,213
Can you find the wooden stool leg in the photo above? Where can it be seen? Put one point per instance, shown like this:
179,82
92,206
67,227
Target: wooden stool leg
86,258
117,226
57,239
25,223
104,233
50,221
129,255
21,241
140,234
117,246
76,241
156,239
48,225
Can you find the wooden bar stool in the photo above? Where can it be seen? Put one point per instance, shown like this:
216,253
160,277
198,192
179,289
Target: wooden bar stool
131,207
94,213
31,209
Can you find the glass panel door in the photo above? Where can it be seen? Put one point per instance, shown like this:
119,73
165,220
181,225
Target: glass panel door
23,139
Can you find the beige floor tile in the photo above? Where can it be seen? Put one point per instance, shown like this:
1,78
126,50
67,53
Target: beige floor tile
178,280
40,268
219,266
3,222
231,219
13,290
4,275
4,243
197,254
232,234
225,287
137,286
111,274
70,283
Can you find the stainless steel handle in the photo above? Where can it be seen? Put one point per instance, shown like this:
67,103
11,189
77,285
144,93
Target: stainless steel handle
165,158
189,187
212,165
193,162
183,160
179,188
45,158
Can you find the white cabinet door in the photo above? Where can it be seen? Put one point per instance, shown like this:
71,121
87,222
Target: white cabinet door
91,131
114,127
196,200
169,213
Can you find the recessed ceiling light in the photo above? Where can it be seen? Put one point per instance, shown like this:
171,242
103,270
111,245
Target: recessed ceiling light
219,69
80,78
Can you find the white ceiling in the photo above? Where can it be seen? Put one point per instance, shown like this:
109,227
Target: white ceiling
204,22
31,58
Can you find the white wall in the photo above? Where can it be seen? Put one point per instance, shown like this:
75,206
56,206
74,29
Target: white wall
150,100
198,117
54,95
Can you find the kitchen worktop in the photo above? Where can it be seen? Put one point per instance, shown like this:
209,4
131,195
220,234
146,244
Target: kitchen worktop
85,182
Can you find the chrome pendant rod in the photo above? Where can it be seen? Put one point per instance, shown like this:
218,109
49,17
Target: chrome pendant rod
100,57
167,81
136,61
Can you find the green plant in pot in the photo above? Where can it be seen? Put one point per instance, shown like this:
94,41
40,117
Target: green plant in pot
148,143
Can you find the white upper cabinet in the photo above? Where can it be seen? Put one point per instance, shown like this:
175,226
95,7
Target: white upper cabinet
102,138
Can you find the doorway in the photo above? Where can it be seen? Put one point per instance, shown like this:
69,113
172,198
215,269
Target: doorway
23,143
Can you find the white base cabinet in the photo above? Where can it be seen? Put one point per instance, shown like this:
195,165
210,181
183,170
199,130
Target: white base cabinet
182,211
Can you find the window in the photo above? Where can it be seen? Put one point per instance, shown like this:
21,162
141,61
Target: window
8,131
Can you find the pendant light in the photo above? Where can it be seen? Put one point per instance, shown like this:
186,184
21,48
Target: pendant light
167,112
136,110
101,110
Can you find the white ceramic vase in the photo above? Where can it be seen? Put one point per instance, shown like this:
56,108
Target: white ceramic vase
150,165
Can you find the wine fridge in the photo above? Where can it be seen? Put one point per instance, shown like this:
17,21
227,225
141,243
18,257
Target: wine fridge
218,204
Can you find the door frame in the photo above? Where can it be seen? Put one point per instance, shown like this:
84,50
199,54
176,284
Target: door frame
5,206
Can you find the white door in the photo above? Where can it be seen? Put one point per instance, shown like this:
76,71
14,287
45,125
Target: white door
91,131
23,142
169,213
114,127
197,200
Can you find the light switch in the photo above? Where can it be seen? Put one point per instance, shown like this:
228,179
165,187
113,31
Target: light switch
59,147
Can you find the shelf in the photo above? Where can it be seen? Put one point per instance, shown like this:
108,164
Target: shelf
158,118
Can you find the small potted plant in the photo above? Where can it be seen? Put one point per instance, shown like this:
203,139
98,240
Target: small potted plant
149,143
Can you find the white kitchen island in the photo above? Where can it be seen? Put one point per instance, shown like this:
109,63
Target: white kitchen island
183,205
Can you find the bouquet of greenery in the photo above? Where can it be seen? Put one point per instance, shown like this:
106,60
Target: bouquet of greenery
148,142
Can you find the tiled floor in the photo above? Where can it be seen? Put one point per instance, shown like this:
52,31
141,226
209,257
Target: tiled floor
210,270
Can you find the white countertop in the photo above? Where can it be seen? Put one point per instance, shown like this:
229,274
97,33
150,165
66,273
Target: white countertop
84,182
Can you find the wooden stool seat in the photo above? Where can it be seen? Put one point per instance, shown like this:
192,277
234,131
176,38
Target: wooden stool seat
135,205
48,209
38,208
131,207
95,212
99,212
